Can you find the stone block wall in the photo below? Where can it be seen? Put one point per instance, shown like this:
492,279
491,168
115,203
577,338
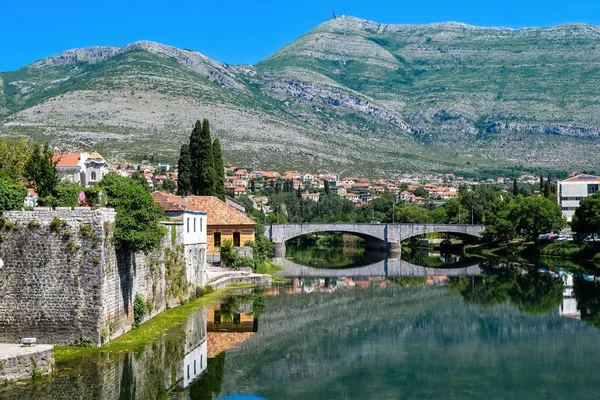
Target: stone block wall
20,365
62,281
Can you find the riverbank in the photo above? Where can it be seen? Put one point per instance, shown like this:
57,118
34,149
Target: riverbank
148,332
558,250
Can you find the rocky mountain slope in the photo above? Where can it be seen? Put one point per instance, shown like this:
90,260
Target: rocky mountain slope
350,95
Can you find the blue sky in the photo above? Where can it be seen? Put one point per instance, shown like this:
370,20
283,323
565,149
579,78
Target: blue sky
240,32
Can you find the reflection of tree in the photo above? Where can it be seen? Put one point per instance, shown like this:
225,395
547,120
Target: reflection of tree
409,281
588,300
531,292
334,256
209,383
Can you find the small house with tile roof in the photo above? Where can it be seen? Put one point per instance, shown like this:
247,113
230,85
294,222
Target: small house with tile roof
222,222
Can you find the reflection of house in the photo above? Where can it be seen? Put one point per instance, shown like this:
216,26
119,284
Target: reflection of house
83,168
227,329
220,319
569,307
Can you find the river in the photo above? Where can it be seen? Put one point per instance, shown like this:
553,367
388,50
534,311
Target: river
452,327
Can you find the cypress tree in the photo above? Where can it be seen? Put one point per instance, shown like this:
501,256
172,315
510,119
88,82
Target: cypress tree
195,148
547,188
206,163
541,182
515,187
219,170
184,175
327,187
252,186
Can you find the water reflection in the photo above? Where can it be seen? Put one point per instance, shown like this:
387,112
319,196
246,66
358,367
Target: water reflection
187,362
507,332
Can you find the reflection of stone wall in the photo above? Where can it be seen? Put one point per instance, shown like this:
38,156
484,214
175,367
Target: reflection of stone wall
63,281
146,373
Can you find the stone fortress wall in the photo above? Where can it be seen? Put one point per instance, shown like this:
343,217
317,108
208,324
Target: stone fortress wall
63,282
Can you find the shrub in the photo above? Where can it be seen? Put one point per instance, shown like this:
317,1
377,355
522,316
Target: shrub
11,226
33,224
203,291
243,262
139,309
227,252
86,231
55,224
36,374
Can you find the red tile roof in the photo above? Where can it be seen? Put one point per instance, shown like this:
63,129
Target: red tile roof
67,159
218,213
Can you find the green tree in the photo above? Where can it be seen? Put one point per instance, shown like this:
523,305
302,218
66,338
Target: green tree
252,186
587,217
327,187
219,170
195,149
137,221
541,183
67,194
12,195
184,171
206,165
169,186
534,215
14,153
40,170
412,214
499,227
515,190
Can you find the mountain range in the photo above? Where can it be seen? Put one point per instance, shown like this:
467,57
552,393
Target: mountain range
349,96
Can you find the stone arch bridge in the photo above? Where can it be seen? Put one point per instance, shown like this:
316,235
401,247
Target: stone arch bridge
385,236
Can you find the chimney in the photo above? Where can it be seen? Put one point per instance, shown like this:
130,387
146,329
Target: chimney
184,203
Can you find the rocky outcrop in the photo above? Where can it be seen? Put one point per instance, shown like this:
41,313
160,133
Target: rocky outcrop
89,55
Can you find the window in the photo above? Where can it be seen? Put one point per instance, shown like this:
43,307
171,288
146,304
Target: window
194,224
236,239
188,225
217,317
188,372
237,318
93,176
200,224
195,367
592,189
217,239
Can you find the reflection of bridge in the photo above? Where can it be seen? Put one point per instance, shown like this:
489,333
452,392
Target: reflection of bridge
389,268
376,235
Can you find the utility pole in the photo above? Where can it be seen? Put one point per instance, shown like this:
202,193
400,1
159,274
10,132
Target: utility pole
459,214
393,216
472,218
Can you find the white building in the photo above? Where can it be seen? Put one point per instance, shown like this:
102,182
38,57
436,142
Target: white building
571,191
86,169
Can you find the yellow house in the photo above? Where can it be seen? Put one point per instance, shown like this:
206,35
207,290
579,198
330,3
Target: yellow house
224,222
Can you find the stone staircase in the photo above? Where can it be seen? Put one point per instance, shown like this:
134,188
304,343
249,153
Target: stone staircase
220,278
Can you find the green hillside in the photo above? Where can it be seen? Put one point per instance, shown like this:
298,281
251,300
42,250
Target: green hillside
349,96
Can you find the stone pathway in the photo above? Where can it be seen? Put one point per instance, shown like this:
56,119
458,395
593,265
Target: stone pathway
219,278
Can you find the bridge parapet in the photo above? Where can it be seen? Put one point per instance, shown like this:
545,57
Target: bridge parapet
389,234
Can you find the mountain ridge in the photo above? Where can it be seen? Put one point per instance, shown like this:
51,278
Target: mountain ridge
349,95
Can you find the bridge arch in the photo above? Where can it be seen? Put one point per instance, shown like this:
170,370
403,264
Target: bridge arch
389,235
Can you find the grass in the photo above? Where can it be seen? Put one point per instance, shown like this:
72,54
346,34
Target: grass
147,333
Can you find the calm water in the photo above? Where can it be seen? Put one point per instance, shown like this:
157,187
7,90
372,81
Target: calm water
506,331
